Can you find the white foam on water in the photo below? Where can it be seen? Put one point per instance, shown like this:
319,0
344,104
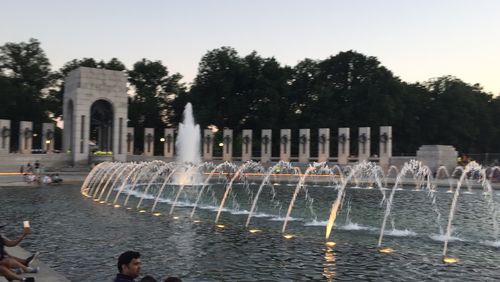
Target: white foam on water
239,212
491,243
400,233
261,214
279,218
316,223
355,226
442,238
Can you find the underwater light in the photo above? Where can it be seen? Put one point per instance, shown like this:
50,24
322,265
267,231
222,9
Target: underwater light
330,244
288,236
96,200
102,202
142,211
196,221
220,225
254,231
175,217
386,250
157,214
129,208
450,260
117,206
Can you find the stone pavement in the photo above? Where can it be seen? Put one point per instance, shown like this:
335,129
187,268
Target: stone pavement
46,274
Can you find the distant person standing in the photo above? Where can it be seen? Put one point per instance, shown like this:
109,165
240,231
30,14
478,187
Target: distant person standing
37,168
129,266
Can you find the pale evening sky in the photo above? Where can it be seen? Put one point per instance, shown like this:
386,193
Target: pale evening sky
417,40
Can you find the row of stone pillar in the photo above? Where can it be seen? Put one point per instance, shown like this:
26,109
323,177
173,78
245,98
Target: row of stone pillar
285,140
26,135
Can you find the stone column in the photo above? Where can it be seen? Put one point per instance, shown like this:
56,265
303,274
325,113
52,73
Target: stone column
149,141
385,146
285,140
25,137
48,130
227,154
208,145
246,150
4,136
323,145
119,134
266,145
363,143
169,143
130,140
304,145
344,140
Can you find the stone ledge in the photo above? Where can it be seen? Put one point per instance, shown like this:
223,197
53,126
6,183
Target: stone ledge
46,274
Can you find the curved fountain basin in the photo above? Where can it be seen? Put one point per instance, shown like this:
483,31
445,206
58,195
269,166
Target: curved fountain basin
69,228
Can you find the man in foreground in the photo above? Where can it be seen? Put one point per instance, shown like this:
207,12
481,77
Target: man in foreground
129,266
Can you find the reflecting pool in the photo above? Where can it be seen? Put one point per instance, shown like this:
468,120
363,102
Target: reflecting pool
82,238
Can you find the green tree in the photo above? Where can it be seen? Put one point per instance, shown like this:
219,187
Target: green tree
460,115
235,92
216,92
26,74
154,91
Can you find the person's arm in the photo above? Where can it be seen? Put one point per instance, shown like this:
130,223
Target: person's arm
13,243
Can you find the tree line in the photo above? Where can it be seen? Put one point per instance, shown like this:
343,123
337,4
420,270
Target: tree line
348,89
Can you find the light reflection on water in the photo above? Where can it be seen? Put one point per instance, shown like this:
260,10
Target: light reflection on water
82,239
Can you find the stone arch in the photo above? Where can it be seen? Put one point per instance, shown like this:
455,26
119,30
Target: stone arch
101,125
95,105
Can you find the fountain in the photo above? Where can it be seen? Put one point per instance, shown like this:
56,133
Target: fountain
152,183
309,201
188,147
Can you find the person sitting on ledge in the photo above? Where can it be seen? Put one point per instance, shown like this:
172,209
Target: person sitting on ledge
129,266
56,178
8,262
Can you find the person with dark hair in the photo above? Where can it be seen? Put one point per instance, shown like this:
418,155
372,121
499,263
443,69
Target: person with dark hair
172,279
148,278
129,266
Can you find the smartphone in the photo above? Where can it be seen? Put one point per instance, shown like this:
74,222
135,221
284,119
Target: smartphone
26,224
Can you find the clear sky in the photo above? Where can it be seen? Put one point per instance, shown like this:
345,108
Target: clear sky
416,39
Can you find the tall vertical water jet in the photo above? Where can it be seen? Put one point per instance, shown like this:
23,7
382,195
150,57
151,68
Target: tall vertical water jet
188,146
